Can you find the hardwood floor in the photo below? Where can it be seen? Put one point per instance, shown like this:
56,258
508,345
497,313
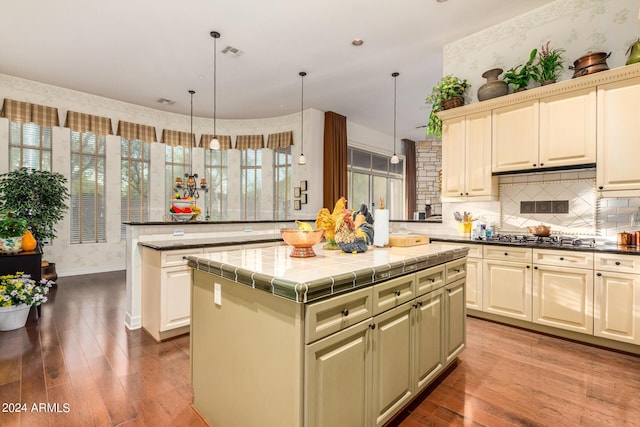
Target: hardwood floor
80,356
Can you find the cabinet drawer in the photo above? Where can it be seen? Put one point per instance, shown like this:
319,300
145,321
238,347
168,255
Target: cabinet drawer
429,279
392,293
329,316
618,263
455,270
475,250
176,258
563,258
507,253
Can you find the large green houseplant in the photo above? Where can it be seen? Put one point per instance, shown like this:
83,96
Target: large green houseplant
38,196
448,88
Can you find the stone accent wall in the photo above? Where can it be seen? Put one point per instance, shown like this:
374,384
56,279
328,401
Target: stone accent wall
428,166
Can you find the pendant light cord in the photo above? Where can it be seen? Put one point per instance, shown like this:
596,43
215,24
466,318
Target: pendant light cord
215,56
191,136
302,74
395,82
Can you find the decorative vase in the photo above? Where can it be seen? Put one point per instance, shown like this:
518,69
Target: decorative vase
29,243
13,317
453,102
493,88
11,245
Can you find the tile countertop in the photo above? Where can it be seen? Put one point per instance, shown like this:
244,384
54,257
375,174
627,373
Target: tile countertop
169,245
303,280
601,246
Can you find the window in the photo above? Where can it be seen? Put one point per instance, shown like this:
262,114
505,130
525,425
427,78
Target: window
217,175
29,146
251,183
372,176
134,182
87,205
177,162
282,182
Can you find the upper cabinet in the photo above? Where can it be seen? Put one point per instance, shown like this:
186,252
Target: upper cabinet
550,132
617,172
466,158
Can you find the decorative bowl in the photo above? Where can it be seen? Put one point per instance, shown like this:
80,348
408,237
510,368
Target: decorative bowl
182,203
302,240
182,217
540,230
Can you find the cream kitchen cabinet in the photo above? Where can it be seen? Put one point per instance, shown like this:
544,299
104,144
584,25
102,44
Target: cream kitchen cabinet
563,289
473,282
554,131
617,297
466,159
617,172
166,281
507,281
429,359
455,329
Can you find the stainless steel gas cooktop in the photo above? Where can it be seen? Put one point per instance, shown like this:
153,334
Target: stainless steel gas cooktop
525,239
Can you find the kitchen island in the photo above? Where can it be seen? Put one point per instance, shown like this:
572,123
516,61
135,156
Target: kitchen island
336,339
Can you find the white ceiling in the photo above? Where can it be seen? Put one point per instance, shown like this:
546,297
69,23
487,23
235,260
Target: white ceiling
141,50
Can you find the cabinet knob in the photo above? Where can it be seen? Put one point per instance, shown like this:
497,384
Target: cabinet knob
535,268
457,270
534,165
541,164
449,290
345,312
528,266
372,326
433,280
561,258
598,274
397,292
601,188
462,194
417,304
466,194
617,262
506,253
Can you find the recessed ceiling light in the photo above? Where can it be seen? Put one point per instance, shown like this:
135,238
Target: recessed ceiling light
165,101
357,42
441,1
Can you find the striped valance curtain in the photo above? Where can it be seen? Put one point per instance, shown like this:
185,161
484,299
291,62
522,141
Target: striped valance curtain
81,122
177,138
253,142
224,140
25,112
280,140
135,131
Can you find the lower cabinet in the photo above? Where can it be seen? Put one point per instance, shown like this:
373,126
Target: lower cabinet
455,329
429,335
507,288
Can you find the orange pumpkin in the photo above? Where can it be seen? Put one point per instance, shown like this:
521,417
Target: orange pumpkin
28,241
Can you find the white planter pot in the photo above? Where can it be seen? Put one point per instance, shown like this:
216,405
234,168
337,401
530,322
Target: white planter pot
11,245
13,317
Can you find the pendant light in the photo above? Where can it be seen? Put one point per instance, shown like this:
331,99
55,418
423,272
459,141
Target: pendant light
214,144
394,159
301,159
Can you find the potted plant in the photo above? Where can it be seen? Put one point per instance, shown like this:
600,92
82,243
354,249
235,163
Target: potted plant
37,196
18,292
520,75
447,93
12,228
550,64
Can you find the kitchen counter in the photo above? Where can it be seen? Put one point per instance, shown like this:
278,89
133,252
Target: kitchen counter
601,246
169,245
272,270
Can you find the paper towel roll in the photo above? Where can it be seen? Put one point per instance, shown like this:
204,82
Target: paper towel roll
381,227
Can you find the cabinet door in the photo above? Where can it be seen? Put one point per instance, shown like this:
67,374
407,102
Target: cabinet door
453,157
428,338
618,148
175,297
455,330
474,283
507,289
478,179
617,306
338,379
568,129
392,362
563,298
515,137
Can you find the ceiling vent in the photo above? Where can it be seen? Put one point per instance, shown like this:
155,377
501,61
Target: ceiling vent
232,51
165,101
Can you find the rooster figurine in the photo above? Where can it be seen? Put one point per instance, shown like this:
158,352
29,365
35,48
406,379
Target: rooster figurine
354,231
327,220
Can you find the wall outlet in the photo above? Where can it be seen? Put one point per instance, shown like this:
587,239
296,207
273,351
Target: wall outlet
217,294
403,227
178,232
247,229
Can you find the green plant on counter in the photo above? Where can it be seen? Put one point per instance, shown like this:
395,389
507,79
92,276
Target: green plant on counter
448,87
12,226
550,64
520,75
